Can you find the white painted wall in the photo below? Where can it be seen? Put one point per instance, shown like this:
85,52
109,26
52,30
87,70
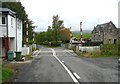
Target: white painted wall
11,27
2,27
19,35
89,48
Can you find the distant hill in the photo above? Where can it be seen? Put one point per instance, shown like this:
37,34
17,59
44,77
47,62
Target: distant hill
86,34
84,31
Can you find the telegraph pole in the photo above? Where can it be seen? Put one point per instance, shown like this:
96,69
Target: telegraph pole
81,32
27,30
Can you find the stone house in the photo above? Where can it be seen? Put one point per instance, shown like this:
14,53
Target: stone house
106,33
119,32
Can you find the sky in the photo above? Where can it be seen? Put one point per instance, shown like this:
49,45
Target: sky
72,12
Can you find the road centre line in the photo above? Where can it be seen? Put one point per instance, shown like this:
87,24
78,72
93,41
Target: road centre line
69,72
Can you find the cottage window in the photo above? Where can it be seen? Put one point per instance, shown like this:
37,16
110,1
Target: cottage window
99,32
109,41
3,20
110,30
11,22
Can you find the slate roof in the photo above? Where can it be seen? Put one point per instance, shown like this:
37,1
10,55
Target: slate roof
102,27
119,32
7,11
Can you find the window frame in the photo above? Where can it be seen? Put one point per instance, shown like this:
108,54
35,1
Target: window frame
3,20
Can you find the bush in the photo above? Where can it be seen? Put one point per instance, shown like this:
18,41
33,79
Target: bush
45,43
73,48
109,50
55,43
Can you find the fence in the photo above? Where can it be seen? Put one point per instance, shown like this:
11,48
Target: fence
79,48
89,48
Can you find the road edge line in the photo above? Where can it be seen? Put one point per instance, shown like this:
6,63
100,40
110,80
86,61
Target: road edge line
69,72
77,76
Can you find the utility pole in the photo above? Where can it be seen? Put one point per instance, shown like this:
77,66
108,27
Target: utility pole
27,30
81,32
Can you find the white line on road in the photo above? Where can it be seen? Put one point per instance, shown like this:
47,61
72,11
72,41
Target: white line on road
38,52
71,75
78,77
20,62
62,61
68,52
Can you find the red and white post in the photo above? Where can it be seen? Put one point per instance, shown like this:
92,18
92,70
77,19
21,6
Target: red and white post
81,32
27,30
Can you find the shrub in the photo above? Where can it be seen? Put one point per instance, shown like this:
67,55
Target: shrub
45,43
55,43
73,48
109,50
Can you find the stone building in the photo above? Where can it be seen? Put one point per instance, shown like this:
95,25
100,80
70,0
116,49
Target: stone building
106,33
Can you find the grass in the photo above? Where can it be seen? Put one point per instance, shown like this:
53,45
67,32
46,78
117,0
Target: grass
29,56
107,50
6,73
85,35
93,54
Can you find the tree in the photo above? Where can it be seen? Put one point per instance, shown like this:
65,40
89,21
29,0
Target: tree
57,25
50,34
41,37
16,7
65,35
21,13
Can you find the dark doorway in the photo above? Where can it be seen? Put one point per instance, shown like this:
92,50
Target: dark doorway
115,41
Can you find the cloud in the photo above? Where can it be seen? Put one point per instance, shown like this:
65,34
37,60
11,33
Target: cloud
90,12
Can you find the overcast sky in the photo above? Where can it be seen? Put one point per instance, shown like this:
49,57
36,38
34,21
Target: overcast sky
90,12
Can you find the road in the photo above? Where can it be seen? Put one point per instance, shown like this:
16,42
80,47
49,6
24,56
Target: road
61,65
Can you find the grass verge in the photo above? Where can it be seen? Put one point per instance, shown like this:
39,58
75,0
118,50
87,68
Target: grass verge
29,56
107,50
6,73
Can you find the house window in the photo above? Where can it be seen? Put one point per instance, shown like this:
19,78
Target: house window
109,41
99,33
115,41
12,22
3,20
110,30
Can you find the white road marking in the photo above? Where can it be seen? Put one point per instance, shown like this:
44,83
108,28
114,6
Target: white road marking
62,61
71,75
38,52
78,77
28,61
68,52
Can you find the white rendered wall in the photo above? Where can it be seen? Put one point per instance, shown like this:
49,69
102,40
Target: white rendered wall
11,28
3,27
19,35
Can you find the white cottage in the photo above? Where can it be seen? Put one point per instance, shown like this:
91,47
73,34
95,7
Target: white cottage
10,32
